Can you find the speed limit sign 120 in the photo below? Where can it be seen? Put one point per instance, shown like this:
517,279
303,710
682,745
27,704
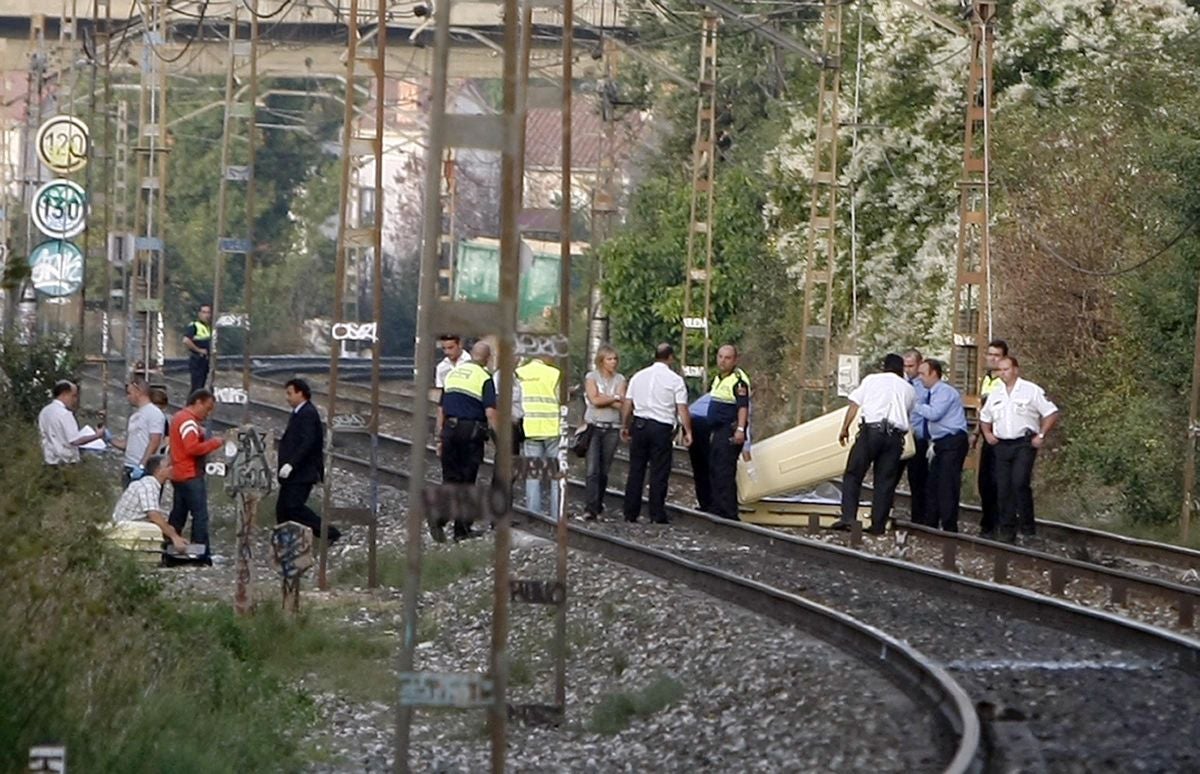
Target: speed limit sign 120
60,209
62,144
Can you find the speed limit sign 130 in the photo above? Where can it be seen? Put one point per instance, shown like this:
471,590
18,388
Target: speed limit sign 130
60,209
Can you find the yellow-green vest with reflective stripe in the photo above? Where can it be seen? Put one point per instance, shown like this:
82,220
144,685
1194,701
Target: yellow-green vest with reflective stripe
539,399
988,384
468,379
203,332
722,388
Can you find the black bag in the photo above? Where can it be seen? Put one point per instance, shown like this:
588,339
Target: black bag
582,440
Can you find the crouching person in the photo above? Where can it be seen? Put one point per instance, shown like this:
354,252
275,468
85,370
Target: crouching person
141,501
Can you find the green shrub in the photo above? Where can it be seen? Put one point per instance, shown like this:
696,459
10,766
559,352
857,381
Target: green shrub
617,710
28,371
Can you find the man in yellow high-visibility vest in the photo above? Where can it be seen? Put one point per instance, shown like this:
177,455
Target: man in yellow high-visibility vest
728,416
465,415
539,401
197,339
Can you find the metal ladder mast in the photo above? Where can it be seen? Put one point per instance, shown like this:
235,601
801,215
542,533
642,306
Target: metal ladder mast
7,179
971,324
145,337
445,287
30,173
360,148
238,129
604,199
499,133
697,308
100,168
820,265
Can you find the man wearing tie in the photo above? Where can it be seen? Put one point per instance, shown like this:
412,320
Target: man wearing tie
917,466
942,419
301,461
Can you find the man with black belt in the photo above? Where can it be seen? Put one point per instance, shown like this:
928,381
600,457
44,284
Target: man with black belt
655,396
301,461
943,420
985,478
728,415
466,416
197,339
1015,421
917,466
885,401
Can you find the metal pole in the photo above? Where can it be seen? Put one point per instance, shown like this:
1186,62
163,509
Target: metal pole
378,66
1189,449
564,328
252,143
214,344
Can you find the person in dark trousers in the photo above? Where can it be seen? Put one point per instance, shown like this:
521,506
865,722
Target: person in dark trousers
197,339
917,466
301,461
1015,422
189,446
604,388
728,416
885,401
466,417
985,478
943,420
700,451
655,397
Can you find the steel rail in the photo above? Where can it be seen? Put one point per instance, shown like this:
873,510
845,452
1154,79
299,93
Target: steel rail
1067,616
918,677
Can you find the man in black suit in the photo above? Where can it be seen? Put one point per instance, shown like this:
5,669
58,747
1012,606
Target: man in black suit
301,460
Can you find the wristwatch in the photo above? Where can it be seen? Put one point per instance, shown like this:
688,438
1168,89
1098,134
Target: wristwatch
741,429
1042,436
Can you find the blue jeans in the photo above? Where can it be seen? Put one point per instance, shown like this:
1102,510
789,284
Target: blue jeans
541,448
191,496
601,450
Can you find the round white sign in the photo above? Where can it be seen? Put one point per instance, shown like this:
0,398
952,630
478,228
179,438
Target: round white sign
56,268
60,209
63,143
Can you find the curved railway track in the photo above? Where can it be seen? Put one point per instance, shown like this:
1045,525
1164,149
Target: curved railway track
1071,682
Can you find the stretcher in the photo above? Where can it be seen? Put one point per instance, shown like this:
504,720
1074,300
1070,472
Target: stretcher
793,463
142,538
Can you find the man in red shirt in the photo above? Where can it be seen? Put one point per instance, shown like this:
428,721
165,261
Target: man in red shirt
189,445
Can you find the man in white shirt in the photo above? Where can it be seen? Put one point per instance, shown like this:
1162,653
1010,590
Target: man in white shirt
656,395
144,434
451,345
141,501
1015,421
58,428
885,401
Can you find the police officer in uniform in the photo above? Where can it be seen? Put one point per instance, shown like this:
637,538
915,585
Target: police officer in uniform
941,418
885,400
197,339
917,466
986,476
466,414
728,414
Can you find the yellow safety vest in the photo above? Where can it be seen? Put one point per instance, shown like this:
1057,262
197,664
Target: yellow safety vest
203,332
988,384
539,399
722,389
467,379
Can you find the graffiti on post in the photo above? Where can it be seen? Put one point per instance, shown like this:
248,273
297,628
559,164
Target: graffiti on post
352,331
445,689
291,556
539,345
249,476
236,395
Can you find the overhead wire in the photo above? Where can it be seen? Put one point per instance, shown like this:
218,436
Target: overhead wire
1045,245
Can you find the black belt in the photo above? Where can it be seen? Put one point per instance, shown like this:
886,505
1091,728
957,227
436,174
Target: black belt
605,425
456,421
1022,439
884,427
951,436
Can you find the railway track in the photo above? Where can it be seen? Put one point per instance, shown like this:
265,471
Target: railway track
1069,682
956,740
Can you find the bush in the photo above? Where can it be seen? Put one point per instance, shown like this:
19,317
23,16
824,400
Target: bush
29,371
97,658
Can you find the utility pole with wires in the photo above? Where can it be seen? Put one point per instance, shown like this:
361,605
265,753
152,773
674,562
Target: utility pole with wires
360,234
971,323
816,331
604,197
445,287
101,168
239,139
8,179
30,168
145,337
697,289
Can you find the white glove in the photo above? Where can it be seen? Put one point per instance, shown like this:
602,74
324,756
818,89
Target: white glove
286,470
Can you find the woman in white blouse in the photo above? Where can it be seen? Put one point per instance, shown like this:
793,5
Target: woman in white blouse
605,393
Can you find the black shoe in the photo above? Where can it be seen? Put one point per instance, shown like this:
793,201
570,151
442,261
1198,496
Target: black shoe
589,516
631,521
875,530
468,534
842,526
989,535
335,535
1028,531
436,529
1007,537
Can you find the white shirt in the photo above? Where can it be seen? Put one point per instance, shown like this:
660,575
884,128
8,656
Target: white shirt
655,391
1017,412
883,397
446,366
143,423
518,412
58,428
138,500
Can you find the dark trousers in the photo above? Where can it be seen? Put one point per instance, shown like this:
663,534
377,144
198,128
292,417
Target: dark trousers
699,454
198,368
462,453
191,496
722,461
945,481
878,449
601,449
1014,485
986,481
917,469
292,505
650,444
